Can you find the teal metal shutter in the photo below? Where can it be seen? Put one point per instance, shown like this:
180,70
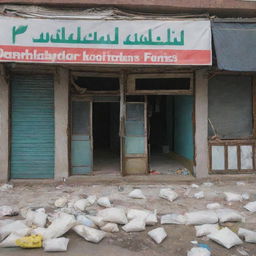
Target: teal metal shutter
32,126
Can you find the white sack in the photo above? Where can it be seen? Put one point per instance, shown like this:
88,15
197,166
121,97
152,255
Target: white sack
248,235
213,206
137,194
81,204
251,206
245,196
232,197
89,234
208,184
98,221
150,217
134,213
56,244
37,218
226,238
194,186
82,219
91,199
61,202
158,234
5,222
199,195
201,217
104,201
59,226
225,215
135,225
10,241
6,210
173,218
206,229
6,187
168,194
197,251
110,227
12,227
40,231
115,215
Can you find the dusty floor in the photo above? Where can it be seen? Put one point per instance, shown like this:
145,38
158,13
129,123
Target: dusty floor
138,243
164,164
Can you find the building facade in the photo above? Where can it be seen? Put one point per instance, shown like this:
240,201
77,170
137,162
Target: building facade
103,91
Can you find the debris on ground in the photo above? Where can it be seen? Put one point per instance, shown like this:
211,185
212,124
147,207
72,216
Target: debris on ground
248,235
197,251
83,215
104,202
213,206
194,186
251,206
6,187
180,171
33,241
61,202
6,210
168,194
56,245
206,229
89,234
242,251
226,238
158,235
233,197
199,195
136,194
154,172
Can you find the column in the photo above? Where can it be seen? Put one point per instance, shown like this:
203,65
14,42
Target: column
201,124
61,102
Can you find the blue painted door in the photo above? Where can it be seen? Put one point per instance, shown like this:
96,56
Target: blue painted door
135,155
81,141
32,126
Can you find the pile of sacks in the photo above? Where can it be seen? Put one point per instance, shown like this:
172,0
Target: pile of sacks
39,229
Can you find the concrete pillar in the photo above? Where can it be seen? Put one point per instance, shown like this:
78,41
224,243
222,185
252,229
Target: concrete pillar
4,126
61,102
201,124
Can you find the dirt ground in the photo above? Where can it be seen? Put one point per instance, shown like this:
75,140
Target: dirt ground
179,237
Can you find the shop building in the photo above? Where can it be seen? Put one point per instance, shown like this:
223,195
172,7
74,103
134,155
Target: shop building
110,92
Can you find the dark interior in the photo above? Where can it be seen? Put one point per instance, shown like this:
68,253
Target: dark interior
162,84
106,143
98,83
157,123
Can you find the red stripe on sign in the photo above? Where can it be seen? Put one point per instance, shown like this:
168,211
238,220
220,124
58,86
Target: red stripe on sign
105,56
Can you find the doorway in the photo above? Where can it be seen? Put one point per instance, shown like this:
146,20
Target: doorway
106,141
170,133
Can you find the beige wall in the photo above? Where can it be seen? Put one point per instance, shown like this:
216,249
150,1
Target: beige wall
4,125
61,101
201,121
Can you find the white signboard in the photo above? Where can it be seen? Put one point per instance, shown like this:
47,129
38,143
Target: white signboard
151,42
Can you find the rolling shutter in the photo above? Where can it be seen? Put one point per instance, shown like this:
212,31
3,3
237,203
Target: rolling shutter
32,126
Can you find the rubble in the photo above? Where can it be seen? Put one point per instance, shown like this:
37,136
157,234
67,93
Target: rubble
80,214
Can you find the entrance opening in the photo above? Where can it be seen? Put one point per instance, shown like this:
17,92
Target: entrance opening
170,135
106,143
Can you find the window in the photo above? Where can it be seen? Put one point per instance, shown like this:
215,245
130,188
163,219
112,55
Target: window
160,84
